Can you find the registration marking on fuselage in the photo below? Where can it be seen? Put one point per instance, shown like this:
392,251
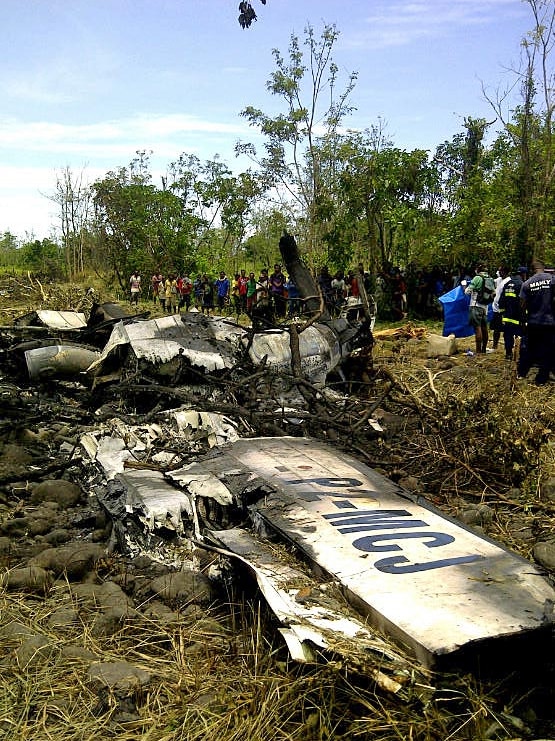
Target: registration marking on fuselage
428,581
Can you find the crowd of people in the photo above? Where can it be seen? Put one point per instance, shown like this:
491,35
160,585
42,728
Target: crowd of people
523,311
270,295
522,307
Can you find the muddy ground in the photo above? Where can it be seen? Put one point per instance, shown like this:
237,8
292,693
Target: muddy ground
96,644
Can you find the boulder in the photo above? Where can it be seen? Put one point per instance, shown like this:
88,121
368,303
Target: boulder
183,587
74,560
65,493
32,579
544,554
118,677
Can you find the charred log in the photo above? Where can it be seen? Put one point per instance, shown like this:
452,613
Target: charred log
308,289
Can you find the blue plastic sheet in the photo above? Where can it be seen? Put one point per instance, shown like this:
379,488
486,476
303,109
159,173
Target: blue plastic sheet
455,313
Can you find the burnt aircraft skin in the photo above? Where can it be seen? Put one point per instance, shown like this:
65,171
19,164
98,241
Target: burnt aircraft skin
213,344
41,328
439,589
165,347
48,344
314,620
173,517
102,319
59,361
163,344
60,321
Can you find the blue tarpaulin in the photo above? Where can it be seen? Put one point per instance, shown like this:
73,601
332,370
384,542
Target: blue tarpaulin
455,313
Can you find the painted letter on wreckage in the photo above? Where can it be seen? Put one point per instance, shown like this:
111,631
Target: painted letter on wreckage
420,577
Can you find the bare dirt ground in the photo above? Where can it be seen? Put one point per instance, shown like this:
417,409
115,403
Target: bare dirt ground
193,664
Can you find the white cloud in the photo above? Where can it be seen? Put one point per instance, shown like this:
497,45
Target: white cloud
109,139
61,78
25,203
402,22
93,150
25,215
33,90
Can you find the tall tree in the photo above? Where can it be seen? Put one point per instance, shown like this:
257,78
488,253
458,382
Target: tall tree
44,257
137,221
261,247
529,128
382,193
196,220
463,164
8,250
213,198
313,109
73,198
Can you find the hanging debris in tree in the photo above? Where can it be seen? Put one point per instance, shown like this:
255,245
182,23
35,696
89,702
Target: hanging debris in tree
247,14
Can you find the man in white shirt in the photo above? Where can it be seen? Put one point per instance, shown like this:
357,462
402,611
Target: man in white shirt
496,323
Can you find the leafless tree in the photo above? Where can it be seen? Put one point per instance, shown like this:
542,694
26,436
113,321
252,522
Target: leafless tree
73,198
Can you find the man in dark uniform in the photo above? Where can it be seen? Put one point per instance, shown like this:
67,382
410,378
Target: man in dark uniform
537,296
511,311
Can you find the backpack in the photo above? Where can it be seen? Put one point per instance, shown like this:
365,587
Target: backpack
486,292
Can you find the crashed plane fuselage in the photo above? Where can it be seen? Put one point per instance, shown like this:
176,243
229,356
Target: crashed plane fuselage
212,343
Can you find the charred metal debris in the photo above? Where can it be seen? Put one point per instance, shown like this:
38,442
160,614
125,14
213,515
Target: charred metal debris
144,397
197,434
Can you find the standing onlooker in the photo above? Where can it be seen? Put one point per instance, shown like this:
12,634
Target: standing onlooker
242,283
156,283
324,284
398,294
185,288
251,292
207,295
293,300
351,282
511,312
422,293
198,292
135,287
235,295
263,284
170,287
339,291
478,311
222,290
496,322
276,284
537,295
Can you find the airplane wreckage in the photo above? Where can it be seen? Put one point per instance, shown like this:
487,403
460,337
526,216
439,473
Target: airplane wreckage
345,558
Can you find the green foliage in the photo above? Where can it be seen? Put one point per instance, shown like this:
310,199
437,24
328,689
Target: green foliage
137,223
293,160
44,257
261,248
382,195
198,218
9,252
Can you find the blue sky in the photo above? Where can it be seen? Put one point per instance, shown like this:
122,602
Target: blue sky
86,83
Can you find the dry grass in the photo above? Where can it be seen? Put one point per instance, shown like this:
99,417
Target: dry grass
469,432
210,683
